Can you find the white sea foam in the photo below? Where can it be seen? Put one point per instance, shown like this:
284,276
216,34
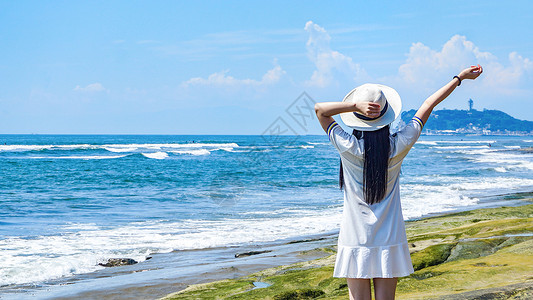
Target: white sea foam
300,147
507,159
462,147
120,150
431,143
313,143
437,193
512,147
115,147
468,142
192,152
419,200
156,155
76,157
48,257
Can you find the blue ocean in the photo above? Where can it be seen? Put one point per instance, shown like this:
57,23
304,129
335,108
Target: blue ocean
69,202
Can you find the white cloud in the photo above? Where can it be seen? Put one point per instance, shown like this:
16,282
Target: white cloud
329,63
425,67
221,79
93,87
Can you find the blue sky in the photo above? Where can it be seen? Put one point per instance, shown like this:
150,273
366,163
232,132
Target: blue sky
234,67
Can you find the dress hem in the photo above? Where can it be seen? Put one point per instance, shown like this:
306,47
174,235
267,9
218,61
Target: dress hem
373,262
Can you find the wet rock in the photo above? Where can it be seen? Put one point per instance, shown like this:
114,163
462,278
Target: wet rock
115,262
250,253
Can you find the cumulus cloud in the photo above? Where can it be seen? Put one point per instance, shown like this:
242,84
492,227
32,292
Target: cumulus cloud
425,66
222,79
329,64
93,87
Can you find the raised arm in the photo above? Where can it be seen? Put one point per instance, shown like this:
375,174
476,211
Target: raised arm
427,107
325,110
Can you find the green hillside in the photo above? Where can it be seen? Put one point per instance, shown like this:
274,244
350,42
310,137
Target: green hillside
492,120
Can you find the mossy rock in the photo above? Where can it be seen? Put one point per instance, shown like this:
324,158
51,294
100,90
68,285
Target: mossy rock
523,248
474,249
431,256
425,275
299,294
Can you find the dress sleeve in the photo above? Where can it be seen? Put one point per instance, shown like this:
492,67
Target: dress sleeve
342,140
407,137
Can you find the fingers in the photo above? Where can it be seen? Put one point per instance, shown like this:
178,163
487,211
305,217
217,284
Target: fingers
372,106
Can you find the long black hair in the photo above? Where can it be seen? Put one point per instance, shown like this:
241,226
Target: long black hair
376,158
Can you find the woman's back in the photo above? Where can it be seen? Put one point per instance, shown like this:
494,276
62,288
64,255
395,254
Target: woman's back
367,230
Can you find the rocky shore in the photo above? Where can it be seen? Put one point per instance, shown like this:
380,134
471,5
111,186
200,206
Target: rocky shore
478,254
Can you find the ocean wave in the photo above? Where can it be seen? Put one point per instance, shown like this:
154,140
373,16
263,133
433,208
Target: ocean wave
462,147
74,157
313,143
20,148
44,258
492,183
468,142
419,200
300,146
431,143
156,155
505,158
120,150
116,147
192,152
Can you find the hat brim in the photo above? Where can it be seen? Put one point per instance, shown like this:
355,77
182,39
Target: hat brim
393,111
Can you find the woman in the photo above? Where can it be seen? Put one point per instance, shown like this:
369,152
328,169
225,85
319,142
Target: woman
372,241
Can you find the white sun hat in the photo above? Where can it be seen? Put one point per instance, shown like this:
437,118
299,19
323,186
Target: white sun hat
388,99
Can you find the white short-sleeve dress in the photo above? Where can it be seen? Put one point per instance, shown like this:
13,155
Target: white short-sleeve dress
372,240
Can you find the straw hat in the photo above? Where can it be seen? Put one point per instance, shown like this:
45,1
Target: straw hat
388,99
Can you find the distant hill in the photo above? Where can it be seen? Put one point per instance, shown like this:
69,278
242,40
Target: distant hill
468,120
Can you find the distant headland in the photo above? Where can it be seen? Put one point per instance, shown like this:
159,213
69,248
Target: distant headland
485,122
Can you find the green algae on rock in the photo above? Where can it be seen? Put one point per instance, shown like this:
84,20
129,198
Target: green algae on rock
452,254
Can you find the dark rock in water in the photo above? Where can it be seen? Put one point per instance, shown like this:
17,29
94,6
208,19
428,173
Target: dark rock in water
115,262
244,254
306,241
148,257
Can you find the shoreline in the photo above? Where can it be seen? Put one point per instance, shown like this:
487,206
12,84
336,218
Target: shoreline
420,248
179,274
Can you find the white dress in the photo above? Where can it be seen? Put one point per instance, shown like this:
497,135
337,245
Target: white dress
372,241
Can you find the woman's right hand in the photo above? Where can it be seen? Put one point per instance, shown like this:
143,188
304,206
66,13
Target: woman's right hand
368,109
471,73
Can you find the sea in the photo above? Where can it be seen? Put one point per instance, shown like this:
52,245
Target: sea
70,202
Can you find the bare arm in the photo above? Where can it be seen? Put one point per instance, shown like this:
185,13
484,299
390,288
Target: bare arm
325,110
427,107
